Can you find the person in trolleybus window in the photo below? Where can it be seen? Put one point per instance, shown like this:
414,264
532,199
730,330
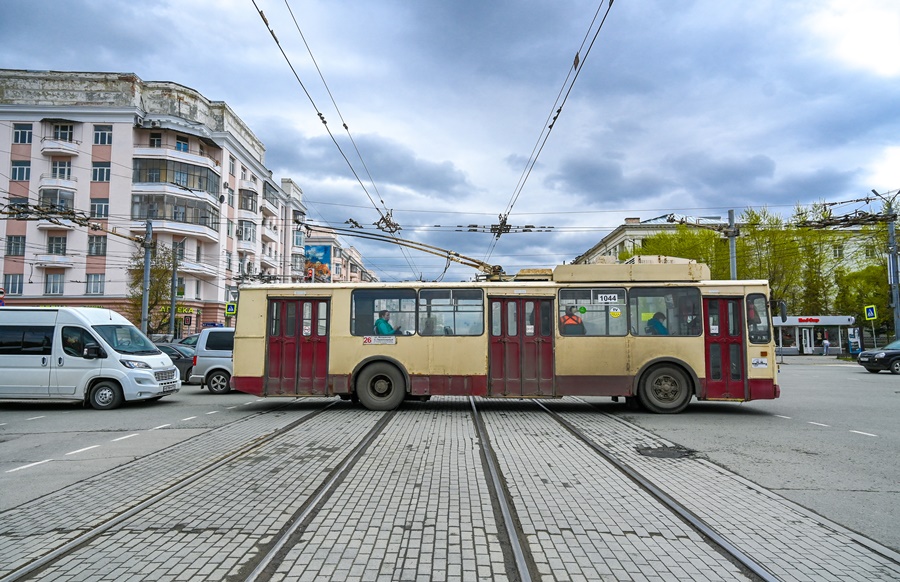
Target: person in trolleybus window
656,325
383,324
570,323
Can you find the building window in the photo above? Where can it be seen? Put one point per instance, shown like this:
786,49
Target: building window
21,171
61,170
21,133
181,178
243,173
197,289
12,284
53,284
63,132
298,238
96,245
57,199
99,207
199,252
178,247
101,172
248,200
179,291
229,228
231,165
102,135
227,260
231,197
15,246
155,140
181,143
837,251
56,245
19,208
95,284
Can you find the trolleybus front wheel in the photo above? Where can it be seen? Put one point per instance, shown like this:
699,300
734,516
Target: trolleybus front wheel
665,390
381,387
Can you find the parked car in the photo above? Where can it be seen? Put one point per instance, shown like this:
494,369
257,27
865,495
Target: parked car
878,359
182,356
190,340
212,359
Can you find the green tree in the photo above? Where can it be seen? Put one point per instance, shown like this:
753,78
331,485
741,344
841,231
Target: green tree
767,249
160,292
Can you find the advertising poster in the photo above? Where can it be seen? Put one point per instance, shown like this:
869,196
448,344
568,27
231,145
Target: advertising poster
318,261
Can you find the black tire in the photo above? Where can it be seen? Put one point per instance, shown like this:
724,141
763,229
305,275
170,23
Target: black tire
187,376
106,395
873,370
218,382
895,366
665,390
381,386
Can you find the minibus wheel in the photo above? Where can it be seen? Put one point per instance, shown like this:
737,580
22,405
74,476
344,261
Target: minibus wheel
665,390
106,395
381,386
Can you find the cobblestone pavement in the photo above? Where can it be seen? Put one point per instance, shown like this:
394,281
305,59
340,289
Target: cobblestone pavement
417,505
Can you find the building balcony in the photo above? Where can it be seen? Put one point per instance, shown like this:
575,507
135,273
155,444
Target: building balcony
55,225
247,246
53,261
269,234
197,269
169,152
176,229
59,147
270,261
269,207
247,215
248,185
52,180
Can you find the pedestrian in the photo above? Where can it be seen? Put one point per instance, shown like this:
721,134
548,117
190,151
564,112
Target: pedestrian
571,323
383,325
825,345
656,325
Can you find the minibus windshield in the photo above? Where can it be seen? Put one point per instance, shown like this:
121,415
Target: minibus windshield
126,339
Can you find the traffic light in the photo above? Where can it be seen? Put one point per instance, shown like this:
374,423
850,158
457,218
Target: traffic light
310,274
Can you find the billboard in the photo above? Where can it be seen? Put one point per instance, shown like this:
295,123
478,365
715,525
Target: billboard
318,261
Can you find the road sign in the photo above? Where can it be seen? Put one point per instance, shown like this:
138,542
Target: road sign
230,309
187,321
870,312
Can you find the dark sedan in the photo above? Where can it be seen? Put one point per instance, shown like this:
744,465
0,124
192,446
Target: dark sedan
878,359
182,356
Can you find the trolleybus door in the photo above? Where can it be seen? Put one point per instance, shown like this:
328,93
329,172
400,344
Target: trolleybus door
297,347
521,347
725,359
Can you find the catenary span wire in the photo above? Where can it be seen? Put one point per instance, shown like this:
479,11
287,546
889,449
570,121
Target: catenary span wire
555,111
345,126
384,216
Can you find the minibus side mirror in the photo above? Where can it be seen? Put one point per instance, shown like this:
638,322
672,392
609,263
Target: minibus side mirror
92,352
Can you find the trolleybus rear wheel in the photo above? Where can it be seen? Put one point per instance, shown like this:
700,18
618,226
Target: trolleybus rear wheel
665,390
381,387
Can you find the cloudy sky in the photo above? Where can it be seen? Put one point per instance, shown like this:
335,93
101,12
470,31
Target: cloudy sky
693,106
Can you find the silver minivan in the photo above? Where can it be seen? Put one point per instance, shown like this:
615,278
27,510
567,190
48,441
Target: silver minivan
83,354
212,359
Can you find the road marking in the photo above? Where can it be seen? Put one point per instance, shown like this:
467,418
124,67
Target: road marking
246,403
864,433
213,412
83,450
819,424
31,465
228,408
160,426
125,437
36,417
781,416
188,418
2,424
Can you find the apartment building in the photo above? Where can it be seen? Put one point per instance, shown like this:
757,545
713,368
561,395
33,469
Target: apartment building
94,158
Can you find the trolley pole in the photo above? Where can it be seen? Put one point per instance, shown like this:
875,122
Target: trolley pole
145,299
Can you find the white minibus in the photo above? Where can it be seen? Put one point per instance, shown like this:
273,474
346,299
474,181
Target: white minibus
84,354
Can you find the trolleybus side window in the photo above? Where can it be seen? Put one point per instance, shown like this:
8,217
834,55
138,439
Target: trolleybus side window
676,311
601,310
366,303
451,312
758,326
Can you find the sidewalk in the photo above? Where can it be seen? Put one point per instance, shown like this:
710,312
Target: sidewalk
813,360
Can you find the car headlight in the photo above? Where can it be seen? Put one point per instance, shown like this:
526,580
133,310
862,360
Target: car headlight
879,355
135,364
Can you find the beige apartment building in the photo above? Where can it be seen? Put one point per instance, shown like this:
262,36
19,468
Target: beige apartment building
88,159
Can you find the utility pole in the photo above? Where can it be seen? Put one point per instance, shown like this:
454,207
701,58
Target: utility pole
145,299
732,245
174,289
892,259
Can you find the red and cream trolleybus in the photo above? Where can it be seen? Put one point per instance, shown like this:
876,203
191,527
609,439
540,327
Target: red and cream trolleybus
660,333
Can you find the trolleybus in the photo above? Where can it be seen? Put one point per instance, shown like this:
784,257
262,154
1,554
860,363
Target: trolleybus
515,338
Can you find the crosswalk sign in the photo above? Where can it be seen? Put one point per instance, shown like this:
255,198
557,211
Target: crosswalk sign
230,309
870,312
